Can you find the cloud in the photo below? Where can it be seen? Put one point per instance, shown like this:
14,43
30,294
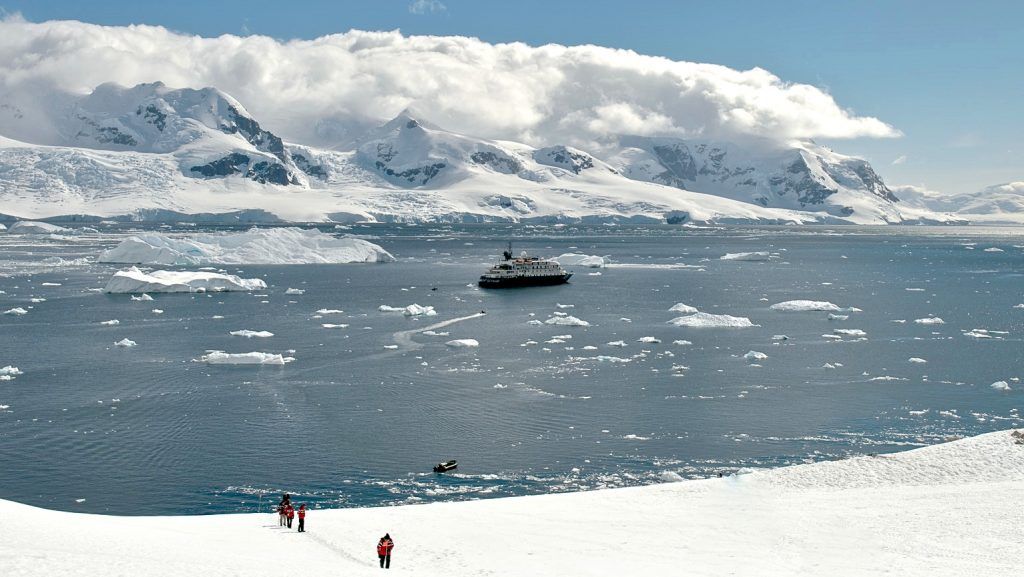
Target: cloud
900,160
319,91
425,6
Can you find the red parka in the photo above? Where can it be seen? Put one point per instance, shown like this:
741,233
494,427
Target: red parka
384,546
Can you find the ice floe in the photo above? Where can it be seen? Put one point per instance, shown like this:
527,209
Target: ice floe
577,259
9,372
250,334
755,356
412,310
16,311
463,343
1000,386
125,343
134,280
649,340
255,246
32,227
850,332
918,360
930,321
617,344
253,358
329,311
111,322
682,309
295,291
567,320
142,297
805,305
746,256
708,320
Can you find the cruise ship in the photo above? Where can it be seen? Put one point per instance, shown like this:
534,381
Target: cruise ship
523,271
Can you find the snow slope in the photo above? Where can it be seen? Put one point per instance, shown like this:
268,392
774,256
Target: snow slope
997,204
150,148
950,509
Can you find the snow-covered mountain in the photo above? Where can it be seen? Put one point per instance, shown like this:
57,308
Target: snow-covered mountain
151,149
1000,203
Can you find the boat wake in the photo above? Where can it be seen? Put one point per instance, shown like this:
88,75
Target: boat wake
404,338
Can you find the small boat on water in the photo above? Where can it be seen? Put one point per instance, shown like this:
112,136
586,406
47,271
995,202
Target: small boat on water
523,271
446,466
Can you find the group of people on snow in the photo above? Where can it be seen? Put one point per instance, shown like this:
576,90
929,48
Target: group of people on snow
286,512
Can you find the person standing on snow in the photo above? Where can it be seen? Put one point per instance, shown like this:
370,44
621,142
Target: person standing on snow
302,518
290,512
281,520
384,547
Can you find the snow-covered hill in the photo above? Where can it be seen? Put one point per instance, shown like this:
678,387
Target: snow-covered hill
154,150
951,509
997,204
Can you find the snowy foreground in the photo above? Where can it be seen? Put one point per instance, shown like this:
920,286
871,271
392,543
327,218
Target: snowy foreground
950,509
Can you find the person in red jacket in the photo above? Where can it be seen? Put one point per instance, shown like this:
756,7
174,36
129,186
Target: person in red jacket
384,547
302,518
290,512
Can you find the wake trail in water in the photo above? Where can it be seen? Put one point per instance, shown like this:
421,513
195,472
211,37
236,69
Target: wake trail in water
404,338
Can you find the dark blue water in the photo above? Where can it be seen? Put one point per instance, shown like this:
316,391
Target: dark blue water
147,430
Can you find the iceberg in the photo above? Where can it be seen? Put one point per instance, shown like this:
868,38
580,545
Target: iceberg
295,291
747,256
708,320
577,259
253,358
250,334
255,246
134,280
568,321
755,356
648,340
32,227
17,311
126,343
463,343
413,310
805,305
682,309
1000,386
930,321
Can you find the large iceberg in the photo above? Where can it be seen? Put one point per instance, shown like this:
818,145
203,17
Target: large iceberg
708,320
134,280
255,246
576,259
32,227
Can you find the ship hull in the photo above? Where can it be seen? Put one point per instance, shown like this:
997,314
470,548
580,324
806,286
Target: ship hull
521,282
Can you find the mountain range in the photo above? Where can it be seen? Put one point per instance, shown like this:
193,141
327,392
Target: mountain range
153,152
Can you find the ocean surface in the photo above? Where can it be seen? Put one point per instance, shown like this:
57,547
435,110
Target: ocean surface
536,407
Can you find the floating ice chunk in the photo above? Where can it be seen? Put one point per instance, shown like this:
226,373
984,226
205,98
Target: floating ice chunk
930,321
914,289
634,437
17,311
898,321
10,372
31,227
708,320
887,378
435,333
37,300
329,311
993,249
828,366
295,291
590,348
649,340
253,358
158,311
463,343
626,320
561,306
755,356
333,326
670,477
835,317
217,317
255,246
250,334
617,344
568,320
409,311
1020,306
805,305
918,360
747,256
832,337
577,259
919,413
850,332
134,280
142,297
535,322
1000,386
681,342
500,386
111,322
979,334
126,343
390,347
682,308
780,338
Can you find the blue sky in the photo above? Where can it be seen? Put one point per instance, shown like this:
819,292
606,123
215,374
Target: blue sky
949,75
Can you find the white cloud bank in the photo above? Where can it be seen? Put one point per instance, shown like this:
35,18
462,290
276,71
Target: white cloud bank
319,91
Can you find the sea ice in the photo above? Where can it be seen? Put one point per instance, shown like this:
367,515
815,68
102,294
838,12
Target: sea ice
17,311
850,332
747,256
295,291
568,320
930,321
681,342
329,311
134,280
142,297
617,344
682,309
31,227
250,334
708,320
805,305
462,343
126,343
253,358
111,322
255,246
10,372
585,260
1000,386
916,360
649,340
755,356
332,326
